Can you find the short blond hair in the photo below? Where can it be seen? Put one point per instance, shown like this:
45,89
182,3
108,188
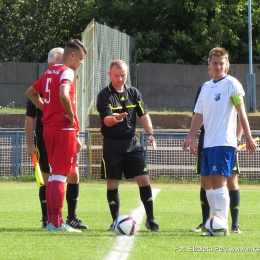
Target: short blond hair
220,52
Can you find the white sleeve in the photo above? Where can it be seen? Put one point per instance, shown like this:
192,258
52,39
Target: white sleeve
237,87
67,74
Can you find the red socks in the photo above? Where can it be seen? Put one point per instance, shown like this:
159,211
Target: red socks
57,194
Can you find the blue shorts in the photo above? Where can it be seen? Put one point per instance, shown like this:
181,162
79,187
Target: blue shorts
218,160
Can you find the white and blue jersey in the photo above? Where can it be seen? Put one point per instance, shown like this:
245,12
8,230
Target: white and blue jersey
219,113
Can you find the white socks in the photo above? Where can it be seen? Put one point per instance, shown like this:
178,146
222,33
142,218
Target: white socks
211,201
221,199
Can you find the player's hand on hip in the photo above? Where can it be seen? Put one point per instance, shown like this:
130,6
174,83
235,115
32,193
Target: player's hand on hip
71,118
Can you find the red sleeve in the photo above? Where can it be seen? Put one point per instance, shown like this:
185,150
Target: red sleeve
65,82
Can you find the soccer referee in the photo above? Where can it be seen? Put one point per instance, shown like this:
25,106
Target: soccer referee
118,105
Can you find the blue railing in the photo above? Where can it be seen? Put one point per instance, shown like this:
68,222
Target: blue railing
167,161
14,159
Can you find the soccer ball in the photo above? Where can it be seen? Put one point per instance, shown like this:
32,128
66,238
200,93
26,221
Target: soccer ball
124,225
216,226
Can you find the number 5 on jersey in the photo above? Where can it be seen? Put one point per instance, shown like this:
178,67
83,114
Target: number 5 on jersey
47,91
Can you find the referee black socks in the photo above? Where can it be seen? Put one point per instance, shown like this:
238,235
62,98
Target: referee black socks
147,199
113,202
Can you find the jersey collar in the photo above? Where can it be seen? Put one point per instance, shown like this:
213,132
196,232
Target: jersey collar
215,81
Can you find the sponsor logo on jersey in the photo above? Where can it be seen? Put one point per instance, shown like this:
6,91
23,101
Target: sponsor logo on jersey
53,71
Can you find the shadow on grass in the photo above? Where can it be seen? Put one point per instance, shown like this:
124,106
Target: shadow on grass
101,233
169,233
92,232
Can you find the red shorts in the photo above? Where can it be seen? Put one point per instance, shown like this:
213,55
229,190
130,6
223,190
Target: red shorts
61,147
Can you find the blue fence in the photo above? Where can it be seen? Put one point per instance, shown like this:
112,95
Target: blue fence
168,160
15,161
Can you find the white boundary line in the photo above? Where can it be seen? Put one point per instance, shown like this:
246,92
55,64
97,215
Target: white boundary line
124,244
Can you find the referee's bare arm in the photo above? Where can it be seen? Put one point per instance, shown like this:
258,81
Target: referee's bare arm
29,128
148,127
34,96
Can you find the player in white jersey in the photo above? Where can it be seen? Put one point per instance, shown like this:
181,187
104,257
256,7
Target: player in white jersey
219,103
232,183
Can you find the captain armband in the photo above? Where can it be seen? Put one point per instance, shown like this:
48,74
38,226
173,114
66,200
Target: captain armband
237,99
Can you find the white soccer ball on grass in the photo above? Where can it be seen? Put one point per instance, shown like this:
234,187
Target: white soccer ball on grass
124,225
217,226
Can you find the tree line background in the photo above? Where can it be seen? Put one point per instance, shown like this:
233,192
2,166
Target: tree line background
167,31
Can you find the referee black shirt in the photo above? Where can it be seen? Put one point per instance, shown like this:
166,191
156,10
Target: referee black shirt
33,111
110,101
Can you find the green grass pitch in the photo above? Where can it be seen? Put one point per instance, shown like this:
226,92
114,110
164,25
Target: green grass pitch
176,207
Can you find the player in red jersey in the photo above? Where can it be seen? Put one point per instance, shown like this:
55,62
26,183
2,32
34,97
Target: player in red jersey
35,145
60,127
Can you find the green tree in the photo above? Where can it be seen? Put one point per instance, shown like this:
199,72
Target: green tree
171,31
167,31
29,28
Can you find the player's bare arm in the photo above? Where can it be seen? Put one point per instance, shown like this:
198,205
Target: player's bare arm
66,103
239,133
193,118
148,127
191,137
250,144
29,129
239,129
114,119
34,96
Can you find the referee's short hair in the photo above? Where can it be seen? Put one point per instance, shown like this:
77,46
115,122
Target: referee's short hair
118,64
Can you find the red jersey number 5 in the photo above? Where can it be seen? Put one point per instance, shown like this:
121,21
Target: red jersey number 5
47,91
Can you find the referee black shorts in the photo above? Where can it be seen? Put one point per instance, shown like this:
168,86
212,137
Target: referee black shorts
122,156
41,150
